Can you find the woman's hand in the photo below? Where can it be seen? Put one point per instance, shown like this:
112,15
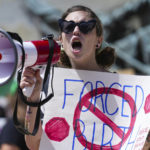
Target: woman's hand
28,80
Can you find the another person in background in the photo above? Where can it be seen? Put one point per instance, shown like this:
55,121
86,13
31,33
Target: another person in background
11,139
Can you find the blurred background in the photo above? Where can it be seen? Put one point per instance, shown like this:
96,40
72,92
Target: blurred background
126,27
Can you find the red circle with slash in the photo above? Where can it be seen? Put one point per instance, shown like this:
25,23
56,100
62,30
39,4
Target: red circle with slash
99,114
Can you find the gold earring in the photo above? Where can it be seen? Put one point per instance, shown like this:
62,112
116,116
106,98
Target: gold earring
62,47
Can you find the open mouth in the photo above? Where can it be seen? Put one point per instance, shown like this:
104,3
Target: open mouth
76,45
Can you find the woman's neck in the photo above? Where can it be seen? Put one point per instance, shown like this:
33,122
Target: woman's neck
88,65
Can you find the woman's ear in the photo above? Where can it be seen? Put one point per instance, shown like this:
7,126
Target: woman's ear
99,42
60,38
61,42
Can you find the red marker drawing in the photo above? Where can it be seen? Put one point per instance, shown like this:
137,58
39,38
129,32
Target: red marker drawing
147,104
57,129
0,56
85,102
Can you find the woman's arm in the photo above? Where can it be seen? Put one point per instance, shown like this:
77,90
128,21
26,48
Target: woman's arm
32,142
27,80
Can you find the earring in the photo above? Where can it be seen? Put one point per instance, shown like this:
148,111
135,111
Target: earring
98,45
62,47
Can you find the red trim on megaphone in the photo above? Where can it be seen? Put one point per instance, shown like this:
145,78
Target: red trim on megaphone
0,56
42,47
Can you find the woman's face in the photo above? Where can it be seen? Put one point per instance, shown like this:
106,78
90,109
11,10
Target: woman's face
78,46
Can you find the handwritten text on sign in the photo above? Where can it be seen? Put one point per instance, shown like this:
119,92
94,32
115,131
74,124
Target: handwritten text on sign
93,110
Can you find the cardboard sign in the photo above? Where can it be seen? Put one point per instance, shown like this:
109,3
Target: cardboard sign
96,110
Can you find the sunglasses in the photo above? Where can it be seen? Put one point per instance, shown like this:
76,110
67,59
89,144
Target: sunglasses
68,26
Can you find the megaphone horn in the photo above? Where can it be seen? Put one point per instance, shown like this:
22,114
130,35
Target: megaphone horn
8,58
36,54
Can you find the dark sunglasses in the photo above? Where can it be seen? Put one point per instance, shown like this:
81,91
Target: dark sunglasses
68,26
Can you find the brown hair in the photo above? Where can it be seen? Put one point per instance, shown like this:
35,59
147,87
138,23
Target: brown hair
105,56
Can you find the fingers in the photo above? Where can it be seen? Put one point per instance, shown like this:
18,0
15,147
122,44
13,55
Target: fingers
27,82
29,77
29,72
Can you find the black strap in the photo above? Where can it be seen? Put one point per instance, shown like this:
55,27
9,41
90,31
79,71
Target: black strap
16,37
20,127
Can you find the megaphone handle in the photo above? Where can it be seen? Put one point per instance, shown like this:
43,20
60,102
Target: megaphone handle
27,91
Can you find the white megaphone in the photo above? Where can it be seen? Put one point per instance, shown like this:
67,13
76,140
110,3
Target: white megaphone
36,56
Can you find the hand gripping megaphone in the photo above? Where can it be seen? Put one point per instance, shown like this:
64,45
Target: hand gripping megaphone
36,54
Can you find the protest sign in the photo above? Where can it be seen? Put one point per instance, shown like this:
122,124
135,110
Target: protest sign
96,110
